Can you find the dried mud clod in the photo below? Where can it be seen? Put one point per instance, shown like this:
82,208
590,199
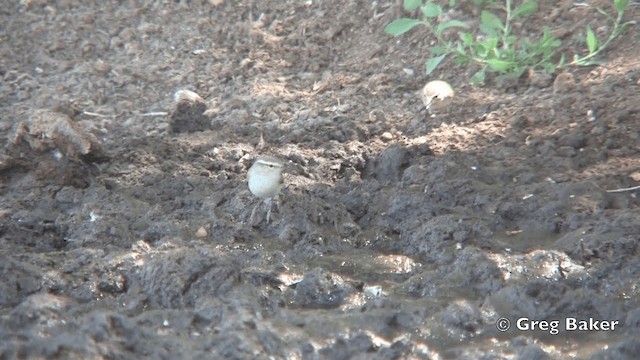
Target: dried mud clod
53,146
189,113
66,135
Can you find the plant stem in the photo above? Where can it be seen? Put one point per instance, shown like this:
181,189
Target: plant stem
506,30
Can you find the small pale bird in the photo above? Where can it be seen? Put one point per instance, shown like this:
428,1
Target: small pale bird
265,181
437,95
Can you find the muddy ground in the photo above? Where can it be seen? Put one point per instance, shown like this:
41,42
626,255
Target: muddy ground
124,218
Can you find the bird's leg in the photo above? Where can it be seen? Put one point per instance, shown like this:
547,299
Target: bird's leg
253,213
268,202
277,198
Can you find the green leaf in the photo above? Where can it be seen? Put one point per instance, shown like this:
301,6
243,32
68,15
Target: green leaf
467,38
491,4
592,40
526,8
489,31
490,44
410,5
431,10
452,3
511,39
433,63
500,65
401,26
561,62
478,77
491,20
461,59
450,24
485,49
438,50
621,5
548,67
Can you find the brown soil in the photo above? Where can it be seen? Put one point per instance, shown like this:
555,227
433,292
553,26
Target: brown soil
125,231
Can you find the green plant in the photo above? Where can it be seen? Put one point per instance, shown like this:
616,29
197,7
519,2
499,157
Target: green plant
496,48
591,39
